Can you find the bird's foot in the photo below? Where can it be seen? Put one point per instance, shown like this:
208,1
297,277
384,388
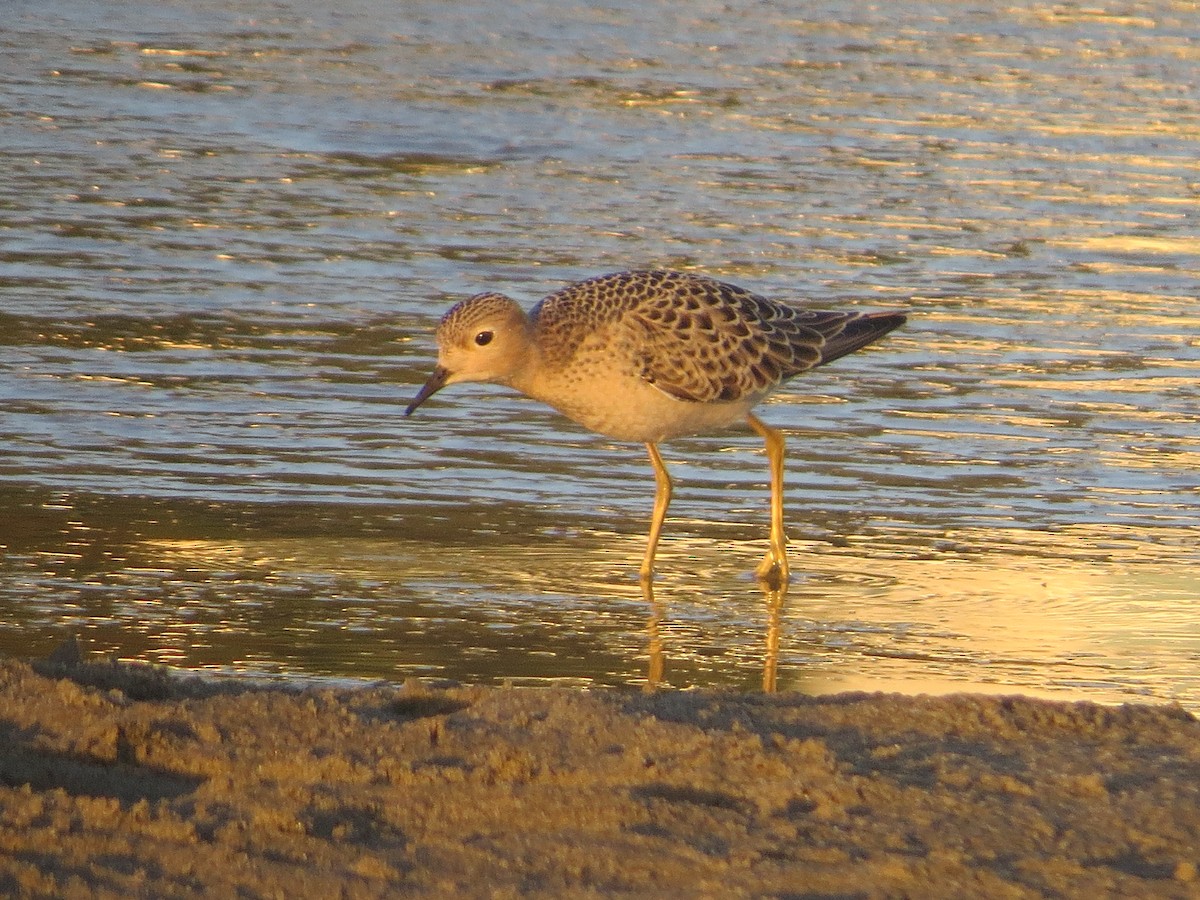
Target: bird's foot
773,570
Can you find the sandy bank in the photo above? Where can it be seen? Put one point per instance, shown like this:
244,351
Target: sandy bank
119,781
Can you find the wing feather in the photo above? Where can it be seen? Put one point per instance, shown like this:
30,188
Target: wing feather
700,339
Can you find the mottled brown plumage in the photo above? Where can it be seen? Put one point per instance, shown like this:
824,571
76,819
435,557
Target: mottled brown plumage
700,339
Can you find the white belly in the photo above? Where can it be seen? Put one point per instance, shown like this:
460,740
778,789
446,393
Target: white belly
630,409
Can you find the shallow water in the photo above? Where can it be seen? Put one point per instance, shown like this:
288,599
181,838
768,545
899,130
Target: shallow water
228,231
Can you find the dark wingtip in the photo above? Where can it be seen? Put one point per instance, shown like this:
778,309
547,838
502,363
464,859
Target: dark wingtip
859,332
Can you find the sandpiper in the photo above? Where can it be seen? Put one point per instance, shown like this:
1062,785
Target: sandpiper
652,355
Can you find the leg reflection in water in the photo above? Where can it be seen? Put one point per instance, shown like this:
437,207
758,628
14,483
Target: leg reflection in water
775,594
775,597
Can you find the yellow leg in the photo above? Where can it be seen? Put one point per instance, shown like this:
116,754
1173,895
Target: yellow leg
776,559
662,499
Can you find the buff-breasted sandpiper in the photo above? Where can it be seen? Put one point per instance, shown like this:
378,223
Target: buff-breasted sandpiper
648,356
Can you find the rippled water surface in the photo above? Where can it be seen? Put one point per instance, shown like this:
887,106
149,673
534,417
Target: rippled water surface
227,231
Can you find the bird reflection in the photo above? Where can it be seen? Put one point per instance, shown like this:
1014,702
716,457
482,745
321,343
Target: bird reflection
775,596
654,670
774,592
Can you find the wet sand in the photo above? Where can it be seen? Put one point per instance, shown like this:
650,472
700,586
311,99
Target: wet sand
119,780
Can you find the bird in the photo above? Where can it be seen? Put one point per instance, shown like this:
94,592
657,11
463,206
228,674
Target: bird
651,355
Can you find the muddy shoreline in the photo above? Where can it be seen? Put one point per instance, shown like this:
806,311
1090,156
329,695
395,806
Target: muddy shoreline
119,780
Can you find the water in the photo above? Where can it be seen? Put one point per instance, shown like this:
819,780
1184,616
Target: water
227,231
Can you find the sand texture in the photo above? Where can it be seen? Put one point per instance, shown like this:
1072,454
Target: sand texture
119,781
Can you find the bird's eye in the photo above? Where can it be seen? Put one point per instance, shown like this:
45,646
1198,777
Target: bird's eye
484,338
